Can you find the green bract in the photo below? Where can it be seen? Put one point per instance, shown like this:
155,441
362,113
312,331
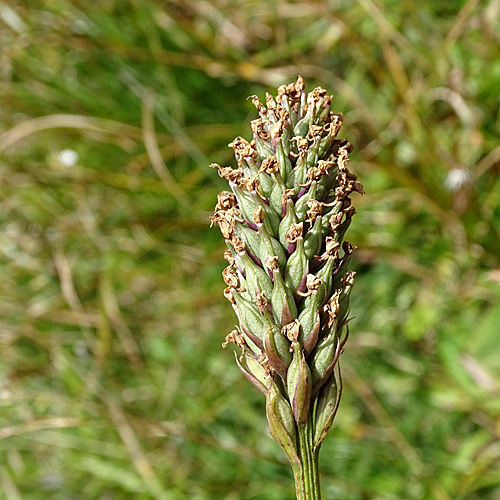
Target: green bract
284,220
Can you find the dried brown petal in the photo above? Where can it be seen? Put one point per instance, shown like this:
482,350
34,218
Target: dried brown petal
272,262
225,220
312,283
235,337
293,91
315,209
264,362
251,184
282,113
270,102
261,301
229,257
287,195
261,129
278,128
242,148
270,165
331,308
302,146
260,107
295,232
334,221
225,200
258,215
335,122
343,157
238,245
291,331
230,277
315,132
229,296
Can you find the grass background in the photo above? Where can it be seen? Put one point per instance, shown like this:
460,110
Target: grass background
113,384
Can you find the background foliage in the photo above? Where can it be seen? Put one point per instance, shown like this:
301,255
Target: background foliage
113,384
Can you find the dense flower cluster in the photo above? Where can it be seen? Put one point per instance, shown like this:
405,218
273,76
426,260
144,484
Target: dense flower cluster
284,221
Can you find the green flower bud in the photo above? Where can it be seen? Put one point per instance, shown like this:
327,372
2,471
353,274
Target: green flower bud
277,348
301,206
269,247
281,423
326,408
314,238
284,307
286,224
299,385
297,267
257,280
250,317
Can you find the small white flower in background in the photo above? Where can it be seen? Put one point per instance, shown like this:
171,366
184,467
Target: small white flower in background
67,158
457,178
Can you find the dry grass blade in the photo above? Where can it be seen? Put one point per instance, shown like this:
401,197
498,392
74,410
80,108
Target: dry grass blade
35,125
137,455
37,425
154,153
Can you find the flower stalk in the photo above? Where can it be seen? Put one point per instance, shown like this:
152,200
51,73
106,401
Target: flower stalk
284,222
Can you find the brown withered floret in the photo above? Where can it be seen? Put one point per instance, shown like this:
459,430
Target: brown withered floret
251,184
327,101
287,195
334,123
234,175
317,172
331,249
261,301
348,278
291,331
348,248
258,215
334,221
243,149
315,209
230,277
282,113
260,107
263,361
235,337
225,220
272,262
229,295
229,257
331,308
238,245
225,200
295,232
312,284
302,146
270,102
316,94
261,129
343,156
293,91
315,132
277,129
269,165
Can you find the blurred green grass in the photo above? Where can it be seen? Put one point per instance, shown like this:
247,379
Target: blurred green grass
112,381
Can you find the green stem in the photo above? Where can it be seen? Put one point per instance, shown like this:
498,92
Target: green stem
307,475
